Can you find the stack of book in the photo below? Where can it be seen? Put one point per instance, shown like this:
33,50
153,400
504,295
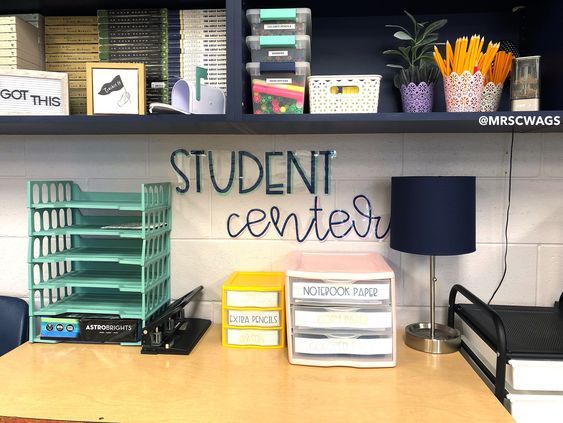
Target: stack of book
138,36
35,19
174,49
204,44
21,44
70,42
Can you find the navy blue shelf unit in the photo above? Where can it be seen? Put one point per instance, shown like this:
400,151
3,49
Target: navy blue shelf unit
264,124
347,39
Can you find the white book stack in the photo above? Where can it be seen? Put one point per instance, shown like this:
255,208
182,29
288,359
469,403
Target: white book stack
534,387
21,44
204,44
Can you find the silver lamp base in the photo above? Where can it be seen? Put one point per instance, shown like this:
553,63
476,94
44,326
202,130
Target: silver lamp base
419,336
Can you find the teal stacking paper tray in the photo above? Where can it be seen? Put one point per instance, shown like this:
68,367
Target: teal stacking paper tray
97,253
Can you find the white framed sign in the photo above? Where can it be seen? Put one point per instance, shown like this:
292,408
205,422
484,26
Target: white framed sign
115,88
34,93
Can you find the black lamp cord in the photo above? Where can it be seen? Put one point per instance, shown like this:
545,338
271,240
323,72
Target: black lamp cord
507,219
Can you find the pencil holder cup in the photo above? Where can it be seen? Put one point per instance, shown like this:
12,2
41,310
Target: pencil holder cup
491,97
463,92
417,98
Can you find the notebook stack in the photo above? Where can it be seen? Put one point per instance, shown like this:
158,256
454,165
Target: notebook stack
70,42
35,19
21,44
138,36
174,49
204,44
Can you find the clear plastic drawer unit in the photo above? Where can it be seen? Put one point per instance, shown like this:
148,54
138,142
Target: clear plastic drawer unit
341,310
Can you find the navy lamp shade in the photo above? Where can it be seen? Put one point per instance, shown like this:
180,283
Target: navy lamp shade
433,216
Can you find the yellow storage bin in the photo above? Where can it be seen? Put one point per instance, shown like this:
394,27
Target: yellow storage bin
253,313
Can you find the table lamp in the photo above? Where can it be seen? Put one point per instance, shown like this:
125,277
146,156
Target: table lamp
433,216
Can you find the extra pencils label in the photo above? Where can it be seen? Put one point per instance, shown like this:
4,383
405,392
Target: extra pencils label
253,318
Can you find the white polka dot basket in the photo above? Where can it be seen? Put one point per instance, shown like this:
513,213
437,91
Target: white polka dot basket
344,93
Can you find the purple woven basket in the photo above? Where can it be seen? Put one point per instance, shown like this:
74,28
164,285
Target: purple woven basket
417,98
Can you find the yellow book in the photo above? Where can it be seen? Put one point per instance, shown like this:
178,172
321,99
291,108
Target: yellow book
71,39
70,20
71,29
77,84
72,57
71,48
67,67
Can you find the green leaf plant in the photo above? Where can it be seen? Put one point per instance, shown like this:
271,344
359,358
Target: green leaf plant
416,55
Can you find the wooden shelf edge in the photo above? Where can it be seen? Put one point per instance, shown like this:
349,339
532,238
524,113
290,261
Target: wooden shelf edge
437,122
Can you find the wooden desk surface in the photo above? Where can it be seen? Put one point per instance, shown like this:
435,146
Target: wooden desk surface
108,383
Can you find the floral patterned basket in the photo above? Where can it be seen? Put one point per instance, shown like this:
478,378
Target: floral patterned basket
463,92
417,98
491,97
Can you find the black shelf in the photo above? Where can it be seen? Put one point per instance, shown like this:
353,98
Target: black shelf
320,7
346,39
124,124
272,124
437,122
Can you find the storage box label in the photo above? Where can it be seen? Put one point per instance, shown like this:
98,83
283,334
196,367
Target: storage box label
277,53
343,319
266,318
341,291
263,338
363,346
252,299
278,80
279,26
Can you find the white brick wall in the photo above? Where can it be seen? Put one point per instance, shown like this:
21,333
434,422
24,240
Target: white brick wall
202,252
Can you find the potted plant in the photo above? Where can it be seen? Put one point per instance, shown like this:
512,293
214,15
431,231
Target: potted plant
418,73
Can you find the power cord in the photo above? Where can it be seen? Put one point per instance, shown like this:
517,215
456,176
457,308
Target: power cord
505,267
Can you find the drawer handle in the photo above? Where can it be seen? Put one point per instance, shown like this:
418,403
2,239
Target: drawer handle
328,335
345,309
338,281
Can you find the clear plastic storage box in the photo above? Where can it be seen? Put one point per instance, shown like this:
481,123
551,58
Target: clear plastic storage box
288,21
341,310
279,48
278,88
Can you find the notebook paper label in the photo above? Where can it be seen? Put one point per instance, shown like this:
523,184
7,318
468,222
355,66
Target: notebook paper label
252,299
277,53
262,338
266,318
278,81
370,346
341,291
343,319
279,26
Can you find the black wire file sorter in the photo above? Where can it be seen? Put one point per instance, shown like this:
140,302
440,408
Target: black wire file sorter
519,349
